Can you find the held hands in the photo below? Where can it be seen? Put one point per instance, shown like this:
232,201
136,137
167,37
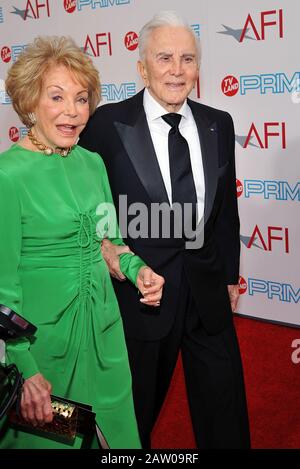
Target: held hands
35,402
233,291
150,285
111,253
148,282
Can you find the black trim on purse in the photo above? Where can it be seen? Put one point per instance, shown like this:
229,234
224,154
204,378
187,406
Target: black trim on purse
11,382
12,325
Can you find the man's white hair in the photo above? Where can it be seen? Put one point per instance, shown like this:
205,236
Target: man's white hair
165,18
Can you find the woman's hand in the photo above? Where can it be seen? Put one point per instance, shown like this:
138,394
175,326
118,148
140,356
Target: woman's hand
150,285
35,402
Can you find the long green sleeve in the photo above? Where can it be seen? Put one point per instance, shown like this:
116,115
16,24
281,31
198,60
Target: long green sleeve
17,350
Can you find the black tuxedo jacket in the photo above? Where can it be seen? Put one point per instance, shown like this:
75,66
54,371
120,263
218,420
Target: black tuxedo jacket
120,134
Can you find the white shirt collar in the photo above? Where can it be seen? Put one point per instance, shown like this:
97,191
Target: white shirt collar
154,110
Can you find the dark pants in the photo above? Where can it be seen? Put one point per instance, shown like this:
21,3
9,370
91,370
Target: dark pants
213,374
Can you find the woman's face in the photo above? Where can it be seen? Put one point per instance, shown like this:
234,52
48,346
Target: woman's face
63,108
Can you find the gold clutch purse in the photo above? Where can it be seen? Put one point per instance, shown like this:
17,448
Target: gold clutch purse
69,418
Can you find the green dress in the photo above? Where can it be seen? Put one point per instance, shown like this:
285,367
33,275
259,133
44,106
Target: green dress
52,273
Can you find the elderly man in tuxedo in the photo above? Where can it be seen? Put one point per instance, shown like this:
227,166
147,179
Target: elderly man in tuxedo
160,147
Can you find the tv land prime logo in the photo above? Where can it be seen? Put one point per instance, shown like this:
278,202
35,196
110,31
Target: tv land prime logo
131,40
276,83
230,85
71,5
113,92
239,188
274,190
4,98
255,29
16,133
11,53
272,290
242,285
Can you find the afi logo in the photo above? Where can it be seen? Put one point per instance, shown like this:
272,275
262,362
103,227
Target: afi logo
239,188
33,8
6,54
242,285
230,85
101,39
267,19
271,129
274,233
131,40
70,5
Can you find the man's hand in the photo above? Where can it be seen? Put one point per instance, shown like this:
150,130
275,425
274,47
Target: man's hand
35,402
233,291
111,253
150,285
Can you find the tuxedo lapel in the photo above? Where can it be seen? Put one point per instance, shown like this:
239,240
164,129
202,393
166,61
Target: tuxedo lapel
208,135
136,138
138,144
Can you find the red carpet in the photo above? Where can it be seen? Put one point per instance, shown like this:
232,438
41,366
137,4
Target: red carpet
273,391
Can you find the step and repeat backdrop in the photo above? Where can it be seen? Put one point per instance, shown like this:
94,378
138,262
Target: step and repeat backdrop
250,68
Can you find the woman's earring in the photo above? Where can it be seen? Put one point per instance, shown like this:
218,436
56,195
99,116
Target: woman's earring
32,118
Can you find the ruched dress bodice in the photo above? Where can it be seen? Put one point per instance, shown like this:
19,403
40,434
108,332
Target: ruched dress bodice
53,274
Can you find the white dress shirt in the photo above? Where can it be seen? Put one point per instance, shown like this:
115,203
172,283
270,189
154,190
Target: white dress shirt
159,130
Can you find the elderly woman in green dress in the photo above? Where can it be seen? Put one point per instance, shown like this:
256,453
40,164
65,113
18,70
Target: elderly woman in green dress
52,271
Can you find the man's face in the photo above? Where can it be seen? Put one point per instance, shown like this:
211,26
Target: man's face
170,67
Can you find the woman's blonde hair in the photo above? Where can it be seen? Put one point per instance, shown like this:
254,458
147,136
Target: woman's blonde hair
25,77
